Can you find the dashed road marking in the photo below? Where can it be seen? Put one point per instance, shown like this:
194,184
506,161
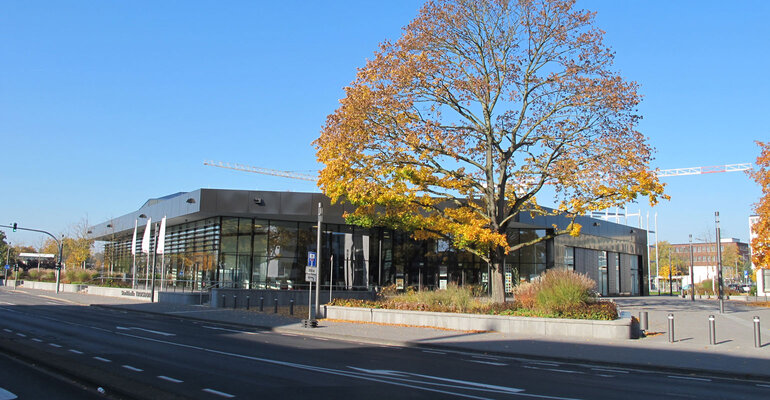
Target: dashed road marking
102,359
132,368
499,364
75,351
6,395
37,340
548,364
167,378
54,345
689,378
20,334
605,376
433,352
616,371
761,385
218,393
8,330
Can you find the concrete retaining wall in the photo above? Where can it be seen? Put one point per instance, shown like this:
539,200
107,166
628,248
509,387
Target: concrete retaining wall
188,298
283,296
143,295
618,329
63,287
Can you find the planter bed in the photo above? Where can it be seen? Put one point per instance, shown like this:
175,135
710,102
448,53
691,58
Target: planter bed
621,328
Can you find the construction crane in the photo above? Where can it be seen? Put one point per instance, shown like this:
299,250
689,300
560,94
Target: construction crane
703,170
264,171
313,178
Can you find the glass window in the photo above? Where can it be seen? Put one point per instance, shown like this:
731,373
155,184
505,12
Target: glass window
282,239
260,229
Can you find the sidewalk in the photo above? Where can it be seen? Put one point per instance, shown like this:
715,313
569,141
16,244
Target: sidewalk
733,355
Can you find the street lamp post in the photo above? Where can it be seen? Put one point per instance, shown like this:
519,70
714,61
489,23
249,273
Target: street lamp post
719,265
60,243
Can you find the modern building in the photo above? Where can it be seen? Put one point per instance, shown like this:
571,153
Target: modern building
261,239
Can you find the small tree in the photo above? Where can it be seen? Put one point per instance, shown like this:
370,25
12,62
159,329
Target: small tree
452,131
760,244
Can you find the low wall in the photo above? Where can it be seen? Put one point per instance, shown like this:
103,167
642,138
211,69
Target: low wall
51,286
128,293
188,298
283,296
621,328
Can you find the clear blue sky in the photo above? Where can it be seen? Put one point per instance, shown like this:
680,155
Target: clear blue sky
106,104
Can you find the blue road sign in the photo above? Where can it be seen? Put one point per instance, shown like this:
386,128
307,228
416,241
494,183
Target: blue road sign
7,266
311,262
745,273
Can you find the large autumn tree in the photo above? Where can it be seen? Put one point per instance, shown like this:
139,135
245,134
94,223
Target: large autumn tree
452,130
760,244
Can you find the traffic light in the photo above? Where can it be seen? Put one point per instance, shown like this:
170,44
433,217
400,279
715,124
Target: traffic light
14,226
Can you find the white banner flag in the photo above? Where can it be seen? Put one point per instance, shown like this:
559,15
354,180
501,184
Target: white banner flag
146,238
161,237
133,240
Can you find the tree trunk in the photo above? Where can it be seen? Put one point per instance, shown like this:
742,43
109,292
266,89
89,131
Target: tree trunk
497,280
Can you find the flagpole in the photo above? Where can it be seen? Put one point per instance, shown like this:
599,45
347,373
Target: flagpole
133,253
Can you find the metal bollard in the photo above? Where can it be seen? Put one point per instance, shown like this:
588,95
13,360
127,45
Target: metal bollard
291,307
261,304
247,302
757,334
275,306
671,328
643,322
712,331
235,301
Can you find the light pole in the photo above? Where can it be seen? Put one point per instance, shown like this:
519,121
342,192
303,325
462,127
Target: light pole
719,265
7,263
319,257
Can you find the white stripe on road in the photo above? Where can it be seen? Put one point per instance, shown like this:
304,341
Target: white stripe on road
761,385
102,359
76,351
37,340
218,393
8,330
609,370
21,334
690,378
499,364
433,352
7,303
548,364
6,395
132,368
229,330
54,345
166,378
566,371
128,328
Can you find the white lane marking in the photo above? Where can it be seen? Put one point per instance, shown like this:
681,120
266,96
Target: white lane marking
761,385
166,378
75,351
617,371
7,303
54,345
21,334
132,368
102,359
8,330
566,371
548,364
499,364
51,302
129,328
324,339
229,330
37,340
487,357
689,378
6,395
433,352
288,334
218,393
605,376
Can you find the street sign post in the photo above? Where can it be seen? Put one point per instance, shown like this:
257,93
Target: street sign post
310,276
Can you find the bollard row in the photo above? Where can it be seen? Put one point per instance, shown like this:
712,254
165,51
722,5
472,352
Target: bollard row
711,328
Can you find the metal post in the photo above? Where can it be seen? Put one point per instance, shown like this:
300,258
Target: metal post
291,307
757,334
275,306
643,321
657,260
235,301
154,259
319,258
671,328
692,273
58,267
247,302
670,277
719,265
261,304
712,331
224,300
331,276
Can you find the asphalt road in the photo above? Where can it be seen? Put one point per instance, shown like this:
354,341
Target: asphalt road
134,355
